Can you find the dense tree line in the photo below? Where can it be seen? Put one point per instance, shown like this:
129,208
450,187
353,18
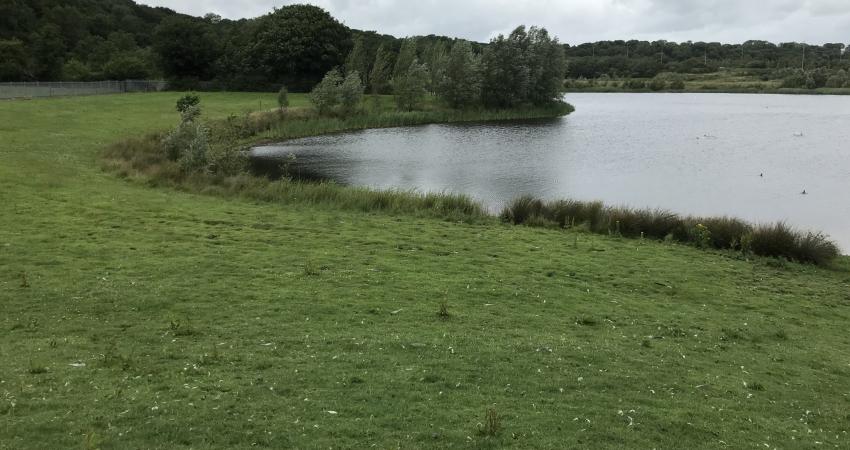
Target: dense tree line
77,39
643,59
525,68
297,45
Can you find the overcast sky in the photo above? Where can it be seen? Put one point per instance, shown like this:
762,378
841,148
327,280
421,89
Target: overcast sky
574,21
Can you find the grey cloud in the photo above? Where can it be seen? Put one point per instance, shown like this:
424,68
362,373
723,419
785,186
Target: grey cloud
574,21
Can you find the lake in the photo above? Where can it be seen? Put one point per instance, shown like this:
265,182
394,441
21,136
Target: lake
749,156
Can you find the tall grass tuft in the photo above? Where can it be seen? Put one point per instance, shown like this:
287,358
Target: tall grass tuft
523,210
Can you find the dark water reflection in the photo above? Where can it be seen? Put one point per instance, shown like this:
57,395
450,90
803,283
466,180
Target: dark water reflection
690,153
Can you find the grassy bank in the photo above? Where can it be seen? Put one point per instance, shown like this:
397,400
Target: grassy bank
139,317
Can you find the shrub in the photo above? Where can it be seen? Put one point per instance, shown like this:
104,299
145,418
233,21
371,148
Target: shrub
636,84
351,92
283,98
677,84
657,84
187,101
326,96
410,87
188,144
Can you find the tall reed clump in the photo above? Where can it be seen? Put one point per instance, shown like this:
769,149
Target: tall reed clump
725,233
781,241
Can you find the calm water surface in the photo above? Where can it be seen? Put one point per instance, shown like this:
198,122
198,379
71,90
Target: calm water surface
689,153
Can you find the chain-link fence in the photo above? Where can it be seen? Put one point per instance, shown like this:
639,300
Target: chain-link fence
71,88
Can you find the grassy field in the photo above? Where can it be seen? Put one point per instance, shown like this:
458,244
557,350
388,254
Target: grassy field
139,317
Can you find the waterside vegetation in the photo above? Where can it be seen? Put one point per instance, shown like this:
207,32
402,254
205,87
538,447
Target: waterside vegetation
723,233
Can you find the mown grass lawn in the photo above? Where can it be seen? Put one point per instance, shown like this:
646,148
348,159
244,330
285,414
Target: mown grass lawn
133,317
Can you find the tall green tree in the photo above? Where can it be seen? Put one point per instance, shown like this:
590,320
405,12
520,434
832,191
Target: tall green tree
326,96
351,92
49,52
187,48
506,75
437,58
379,77
297,45
547,67
358,60
410,88
14,61
406,57
460,85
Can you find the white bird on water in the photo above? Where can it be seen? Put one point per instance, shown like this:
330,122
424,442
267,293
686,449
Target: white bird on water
798,134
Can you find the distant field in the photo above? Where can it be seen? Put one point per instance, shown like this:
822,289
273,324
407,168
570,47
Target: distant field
725,81
134,317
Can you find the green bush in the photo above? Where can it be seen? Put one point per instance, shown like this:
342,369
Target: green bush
351,93
187,101
677,84
283,98
326,95
657,84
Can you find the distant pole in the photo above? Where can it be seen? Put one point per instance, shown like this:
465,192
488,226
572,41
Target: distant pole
803,65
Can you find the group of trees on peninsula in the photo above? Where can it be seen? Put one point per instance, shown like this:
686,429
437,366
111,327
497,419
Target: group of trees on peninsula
524,68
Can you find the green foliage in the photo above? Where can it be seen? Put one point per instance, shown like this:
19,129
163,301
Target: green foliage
351,93
326,96
188,144
436,58
14,60
75,70
526,67
188,101
381,74
460,83
127,66
657,84
636,85
406,58
677,84
296,45
357,61
283,98
411,87
187,47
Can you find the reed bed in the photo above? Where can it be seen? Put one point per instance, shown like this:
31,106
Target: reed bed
725,233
